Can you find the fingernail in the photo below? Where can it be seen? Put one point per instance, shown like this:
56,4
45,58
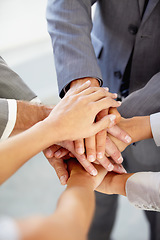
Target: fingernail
110,167
119,103
80,150
128,139
63,180
122,169
49,153
115,95
112,117
58,153
120,159
106,88
99,155
94,172
91,158
87,82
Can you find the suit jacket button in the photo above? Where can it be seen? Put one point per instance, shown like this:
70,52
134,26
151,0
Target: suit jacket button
132,29
118,74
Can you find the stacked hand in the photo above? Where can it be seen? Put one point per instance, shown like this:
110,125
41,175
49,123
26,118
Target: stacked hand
97,146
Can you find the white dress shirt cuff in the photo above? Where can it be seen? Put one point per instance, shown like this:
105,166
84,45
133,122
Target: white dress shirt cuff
143,190
155,127
12,115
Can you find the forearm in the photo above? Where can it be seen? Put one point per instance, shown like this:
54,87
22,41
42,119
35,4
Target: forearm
29,114
16,150
138,128
71,219
78,199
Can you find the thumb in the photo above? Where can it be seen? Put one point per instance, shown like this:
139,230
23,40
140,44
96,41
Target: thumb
106,122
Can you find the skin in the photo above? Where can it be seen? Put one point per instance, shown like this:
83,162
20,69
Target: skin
95,145
139,129
78,198
29,114
68,113
76,202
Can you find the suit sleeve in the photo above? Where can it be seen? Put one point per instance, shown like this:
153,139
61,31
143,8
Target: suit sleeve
11,87
143,190
70,25
144,101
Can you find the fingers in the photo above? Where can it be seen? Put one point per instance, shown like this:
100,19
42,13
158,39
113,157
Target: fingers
100,144
114,111
112,150
101,136
118,168
79,88
61,152
86,164
90,145
106,122
120,134
105,103
81,158
96,93
49,152
60,168
79,146
106,163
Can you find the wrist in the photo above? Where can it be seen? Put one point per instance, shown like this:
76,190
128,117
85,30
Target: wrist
118,183
139,128
78,82
29,114
81,180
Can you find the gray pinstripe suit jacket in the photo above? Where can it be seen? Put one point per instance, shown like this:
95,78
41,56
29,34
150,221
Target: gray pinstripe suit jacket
101,49
11,87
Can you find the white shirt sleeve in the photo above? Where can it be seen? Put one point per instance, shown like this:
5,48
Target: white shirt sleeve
9,229
155,127
12,115
143,190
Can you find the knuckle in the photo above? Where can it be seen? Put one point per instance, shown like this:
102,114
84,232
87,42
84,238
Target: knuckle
90,149
60,170
101,134
107,140
115,154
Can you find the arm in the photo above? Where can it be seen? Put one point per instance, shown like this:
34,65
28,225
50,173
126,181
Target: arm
60,122
144,101
74,211
141,189
139,129
70,25
11,87
28,114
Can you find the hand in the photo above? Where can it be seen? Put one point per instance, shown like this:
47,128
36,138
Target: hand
58,155
97,145
78,174
115,134
114,183
71,110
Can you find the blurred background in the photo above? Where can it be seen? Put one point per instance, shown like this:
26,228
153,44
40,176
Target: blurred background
34,189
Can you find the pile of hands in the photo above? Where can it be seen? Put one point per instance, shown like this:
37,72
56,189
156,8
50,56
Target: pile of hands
91,132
